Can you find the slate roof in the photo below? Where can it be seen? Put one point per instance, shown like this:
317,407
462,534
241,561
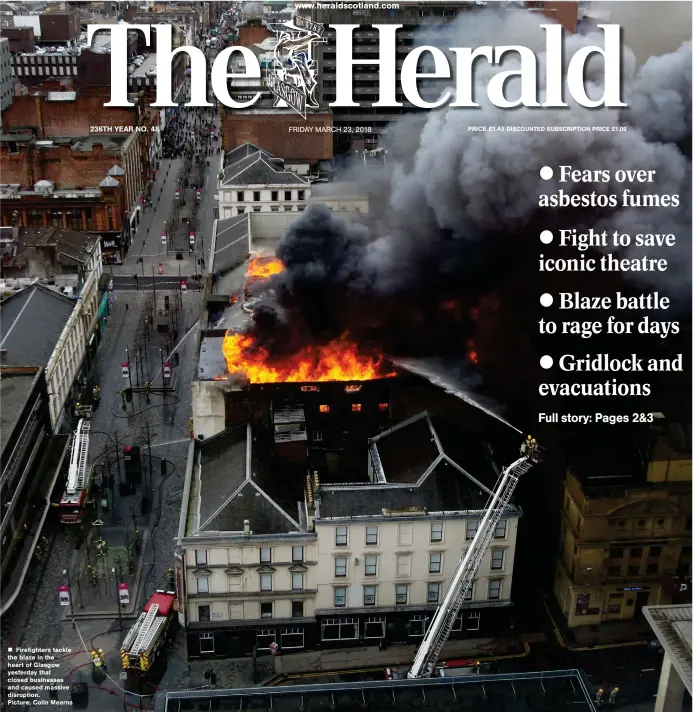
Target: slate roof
15,390
70,244
31,322
108,182
258,169
243,151
233,488
414,467
232,244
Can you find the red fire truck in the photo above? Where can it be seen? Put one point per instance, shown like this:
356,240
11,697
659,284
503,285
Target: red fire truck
145,639
79,477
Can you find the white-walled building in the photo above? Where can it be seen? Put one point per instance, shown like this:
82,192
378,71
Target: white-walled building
268,554
254,180
50,326
388,549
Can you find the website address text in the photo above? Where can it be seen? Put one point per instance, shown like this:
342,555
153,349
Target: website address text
346,6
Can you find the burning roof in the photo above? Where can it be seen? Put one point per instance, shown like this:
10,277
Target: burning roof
339,360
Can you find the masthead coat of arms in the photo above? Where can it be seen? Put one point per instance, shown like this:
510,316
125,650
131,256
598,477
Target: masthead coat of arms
292,77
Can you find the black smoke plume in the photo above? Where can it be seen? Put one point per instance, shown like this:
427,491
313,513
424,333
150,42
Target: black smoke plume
446,263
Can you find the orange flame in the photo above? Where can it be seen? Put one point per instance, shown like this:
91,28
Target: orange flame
264,267
339,360
471,352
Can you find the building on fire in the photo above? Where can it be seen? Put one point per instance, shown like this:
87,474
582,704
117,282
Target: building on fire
324,505
626,528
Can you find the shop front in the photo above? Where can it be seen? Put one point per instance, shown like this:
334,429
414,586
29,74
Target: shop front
104,310
112,249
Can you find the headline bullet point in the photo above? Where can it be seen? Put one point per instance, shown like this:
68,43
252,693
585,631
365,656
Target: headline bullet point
546,236
546,362
546,300
546,173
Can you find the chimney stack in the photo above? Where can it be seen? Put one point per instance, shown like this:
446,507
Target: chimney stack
246,527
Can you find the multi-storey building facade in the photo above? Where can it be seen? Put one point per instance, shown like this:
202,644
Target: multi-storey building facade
42,326
6,82
348,564
30,462
256,181
626,533
362,126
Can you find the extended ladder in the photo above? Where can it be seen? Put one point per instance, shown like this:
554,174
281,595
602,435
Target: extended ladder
145,631
78,461
132,634
463,578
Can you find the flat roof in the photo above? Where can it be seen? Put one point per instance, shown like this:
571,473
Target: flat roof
554,690
15,389
672,626
108,141
141,71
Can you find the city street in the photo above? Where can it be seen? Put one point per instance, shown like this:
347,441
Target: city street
157,421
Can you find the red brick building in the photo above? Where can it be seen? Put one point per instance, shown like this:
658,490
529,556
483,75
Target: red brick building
270,129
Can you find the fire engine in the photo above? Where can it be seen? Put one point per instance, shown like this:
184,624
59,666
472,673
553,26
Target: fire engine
145,639
79,477
425,661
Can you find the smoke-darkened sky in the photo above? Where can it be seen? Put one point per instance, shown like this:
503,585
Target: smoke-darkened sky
455,215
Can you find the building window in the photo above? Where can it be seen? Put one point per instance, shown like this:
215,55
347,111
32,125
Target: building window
275,196
274,208
240,196
266,609
297,609
206,642
202,584
404,535
457,623
287,195
401,594
297,582
417,625
636,553
497,559
494,589
472,527
265,555
369,595
339,629
203,613
614,570
200,557
652,568
341,536
317,436
256,196
371,565
340,566
356,407
403,564
324,408
501,529
436,531
616,552
374,628
473,620
297,553
241,211
265,638
433,592
340,594
301,195
655,551
256,208
634,570
291,638
371,536
435,563
265,582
